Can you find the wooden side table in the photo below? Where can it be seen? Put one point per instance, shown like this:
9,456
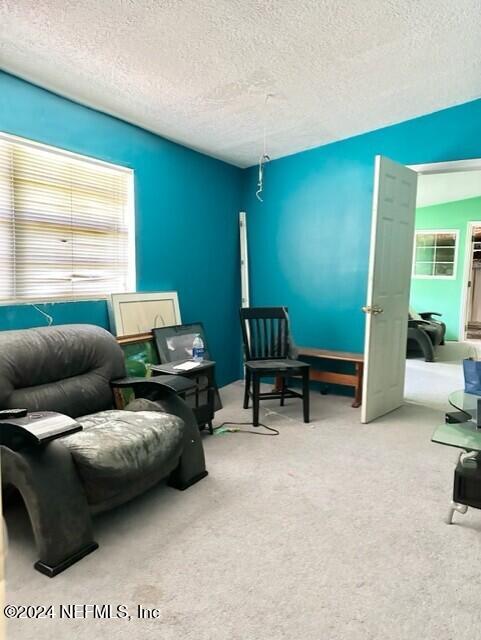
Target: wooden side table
202,400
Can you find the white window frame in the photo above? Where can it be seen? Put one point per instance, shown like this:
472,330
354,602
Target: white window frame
455,233
131,256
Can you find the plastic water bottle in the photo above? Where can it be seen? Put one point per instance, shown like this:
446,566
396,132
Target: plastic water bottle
198,349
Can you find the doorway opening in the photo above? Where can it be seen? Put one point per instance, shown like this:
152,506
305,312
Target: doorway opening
446,280
419,274
472,283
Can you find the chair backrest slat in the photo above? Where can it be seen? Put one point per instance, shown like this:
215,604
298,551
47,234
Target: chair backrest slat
272,326
283,340
265,344
265,333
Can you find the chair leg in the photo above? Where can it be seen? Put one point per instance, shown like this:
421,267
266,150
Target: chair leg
305,394
255,399
247,385
283,390
358,388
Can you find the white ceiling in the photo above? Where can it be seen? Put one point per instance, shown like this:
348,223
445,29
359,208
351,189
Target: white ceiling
198,71
447,187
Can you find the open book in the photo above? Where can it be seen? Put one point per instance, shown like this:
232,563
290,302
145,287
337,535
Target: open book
36,428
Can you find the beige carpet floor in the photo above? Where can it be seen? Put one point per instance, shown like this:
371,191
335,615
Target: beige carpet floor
332,530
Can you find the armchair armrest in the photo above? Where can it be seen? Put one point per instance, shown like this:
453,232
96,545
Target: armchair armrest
149,386
426,315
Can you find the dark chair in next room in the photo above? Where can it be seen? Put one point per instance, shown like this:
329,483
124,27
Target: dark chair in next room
267,351
425,333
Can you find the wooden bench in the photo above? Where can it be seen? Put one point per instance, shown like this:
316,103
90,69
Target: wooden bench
333,377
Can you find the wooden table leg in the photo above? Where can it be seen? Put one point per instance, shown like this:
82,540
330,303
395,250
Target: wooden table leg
277,385
358,387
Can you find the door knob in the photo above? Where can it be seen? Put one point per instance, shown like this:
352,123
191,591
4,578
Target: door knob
375,310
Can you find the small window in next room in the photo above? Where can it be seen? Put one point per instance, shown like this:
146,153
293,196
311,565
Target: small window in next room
435,254
66,224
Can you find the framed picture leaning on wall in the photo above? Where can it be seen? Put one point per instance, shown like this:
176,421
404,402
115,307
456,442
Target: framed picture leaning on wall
135,313
139,353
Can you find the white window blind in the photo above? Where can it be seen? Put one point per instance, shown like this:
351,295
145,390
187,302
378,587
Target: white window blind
66,224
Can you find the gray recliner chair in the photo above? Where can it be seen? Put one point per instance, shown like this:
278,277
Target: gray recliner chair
74,370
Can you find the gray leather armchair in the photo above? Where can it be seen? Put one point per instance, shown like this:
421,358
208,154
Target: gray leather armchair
73,369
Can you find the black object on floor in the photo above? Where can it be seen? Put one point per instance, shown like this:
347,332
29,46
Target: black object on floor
467,485
456,417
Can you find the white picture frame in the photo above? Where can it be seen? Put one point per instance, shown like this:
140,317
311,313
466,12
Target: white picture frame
134,313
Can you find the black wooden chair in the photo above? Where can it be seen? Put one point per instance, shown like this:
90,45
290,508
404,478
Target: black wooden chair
267,351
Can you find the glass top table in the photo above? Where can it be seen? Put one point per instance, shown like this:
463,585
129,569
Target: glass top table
463,435
467,403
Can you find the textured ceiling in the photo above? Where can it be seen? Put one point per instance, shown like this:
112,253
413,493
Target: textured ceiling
198,71
447,187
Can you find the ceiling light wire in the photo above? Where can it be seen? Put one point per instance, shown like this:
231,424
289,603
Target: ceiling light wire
264,157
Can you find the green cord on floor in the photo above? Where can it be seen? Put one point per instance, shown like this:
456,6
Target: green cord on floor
223,428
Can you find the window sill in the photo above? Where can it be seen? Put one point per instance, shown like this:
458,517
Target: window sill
41,301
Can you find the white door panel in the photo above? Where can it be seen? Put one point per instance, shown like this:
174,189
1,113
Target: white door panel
390,263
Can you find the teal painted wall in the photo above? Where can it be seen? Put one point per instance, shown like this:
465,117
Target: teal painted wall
309,239
444,296
186,215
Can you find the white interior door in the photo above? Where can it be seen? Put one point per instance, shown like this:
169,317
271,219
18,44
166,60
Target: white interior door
390,265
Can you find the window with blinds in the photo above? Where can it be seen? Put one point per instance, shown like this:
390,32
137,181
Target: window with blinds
66,224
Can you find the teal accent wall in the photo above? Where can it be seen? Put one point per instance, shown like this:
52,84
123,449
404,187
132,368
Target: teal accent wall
186,215
444,295
309,239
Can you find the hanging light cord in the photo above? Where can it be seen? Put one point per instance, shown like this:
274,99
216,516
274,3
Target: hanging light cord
264,157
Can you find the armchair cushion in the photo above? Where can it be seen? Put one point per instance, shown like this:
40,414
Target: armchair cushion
120,449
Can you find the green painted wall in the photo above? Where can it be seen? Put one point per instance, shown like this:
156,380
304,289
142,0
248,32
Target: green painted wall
441,295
